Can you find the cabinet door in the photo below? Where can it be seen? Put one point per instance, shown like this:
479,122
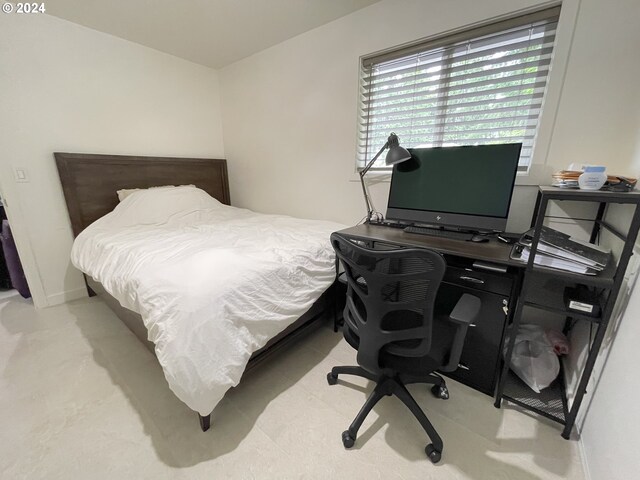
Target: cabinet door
481,352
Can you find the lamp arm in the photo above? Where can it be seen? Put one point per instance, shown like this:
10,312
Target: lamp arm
367,203
363,172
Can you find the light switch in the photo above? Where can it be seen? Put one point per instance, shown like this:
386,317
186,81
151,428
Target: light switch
21,175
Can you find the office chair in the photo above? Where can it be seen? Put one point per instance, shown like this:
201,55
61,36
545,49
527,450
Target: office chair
389,319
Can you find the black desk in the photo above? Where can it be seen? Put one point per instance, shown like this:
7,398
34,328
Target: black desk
492,251
480,362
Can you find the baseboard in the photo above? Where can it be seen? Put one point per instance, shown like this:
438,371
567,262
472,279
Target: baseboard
66,296
583,459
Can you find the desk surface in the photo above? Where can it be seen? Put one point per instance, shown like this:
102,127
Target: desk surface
491,251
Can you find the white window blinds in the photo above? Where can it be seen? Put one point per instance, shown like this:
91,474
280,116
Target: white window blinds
480,86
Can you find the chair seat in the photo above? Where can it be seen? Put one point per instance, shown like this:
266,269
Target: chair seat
443,329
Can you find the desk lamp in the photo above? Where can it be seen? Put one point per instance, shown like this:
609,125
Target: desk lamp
396,154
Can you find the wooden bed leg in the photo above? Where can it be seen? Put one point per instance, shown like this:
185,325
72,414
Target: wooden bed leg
205,422
90,291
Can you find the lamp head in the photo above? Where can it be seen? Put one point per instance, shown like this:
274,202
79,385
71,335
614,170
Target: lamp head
396,153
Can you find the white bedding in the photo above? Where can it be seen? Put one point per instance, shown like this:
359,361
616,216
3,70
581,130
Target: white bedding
212,283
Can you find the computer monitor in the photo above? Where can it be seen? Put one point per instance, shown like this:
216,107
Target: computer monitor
466,188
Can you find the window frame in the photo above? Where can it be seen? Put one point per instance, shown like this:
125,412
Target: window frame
565,14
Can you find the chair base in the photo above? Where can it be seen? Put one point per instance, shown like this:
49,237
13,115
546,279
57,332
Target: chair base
394,385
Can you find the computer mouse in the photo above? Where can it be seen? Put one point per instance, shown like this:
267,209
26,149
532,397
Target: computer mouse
479,239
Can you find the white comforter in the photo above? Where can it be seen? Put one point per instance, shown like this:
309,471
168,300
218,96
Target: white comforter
212,283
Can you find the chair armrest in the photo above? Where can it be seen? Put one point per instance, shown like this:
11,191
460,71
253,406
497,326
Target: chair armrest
463,314
466,310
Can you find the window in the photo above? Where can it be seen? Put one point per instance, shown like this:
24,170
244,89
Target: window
479,86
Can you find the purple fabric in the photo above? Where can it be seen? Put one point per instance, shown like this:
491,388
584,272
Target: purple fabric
13,261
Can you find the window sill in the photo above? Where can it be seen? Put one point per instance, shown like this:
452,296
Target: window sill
538,174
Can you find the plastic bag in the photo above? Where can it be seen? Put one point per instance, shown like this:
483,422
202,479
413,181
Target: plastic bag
533,358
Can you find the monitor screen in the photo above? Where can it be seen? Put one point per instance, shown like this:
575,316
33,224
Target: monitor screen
465,187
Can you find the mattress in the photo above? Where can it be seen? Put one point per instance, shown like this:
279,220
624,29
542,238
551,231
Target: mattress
212,283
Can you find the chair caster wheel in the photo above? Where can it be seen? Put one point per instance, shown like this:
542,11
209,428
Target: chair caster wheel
347,439
433,454
331,378
440,391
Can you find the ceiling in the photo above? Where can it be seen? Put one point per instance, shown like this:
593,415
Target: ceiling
214,33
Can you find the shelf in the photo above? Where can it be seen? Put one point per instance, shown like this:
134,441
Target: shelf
549,403
556,193
603,279
565,312
547,293
543,288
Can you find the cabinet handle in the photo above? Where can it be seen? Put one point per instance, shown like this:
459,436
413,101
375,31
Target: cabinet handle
472,325
471,279
463,366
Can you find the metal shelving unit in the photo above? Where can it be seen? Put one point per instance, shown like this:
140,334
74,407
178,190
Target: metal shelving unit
542,289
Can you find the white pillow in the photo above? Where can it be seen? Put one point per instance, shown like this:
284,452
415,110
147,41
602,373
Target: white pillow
125,192
159,206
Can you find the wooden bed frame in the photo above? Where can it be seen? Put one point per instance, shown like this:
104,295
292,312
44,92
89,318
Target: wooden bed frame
90,183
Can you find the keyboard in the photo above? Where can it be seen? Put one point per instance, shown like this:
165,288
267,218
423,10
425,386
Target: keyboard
435,232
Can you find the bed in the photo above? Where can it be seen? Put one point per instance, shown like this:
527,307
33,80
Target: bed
210,289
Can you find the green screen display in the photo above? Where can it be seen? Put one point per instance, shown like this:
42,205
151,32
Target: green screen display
473,180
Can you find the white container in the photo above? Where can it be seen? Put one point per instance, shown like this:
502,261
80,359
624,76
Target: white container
593,178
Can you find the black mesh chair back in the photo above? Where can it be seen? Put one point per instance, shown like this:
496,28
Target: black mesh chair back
390,299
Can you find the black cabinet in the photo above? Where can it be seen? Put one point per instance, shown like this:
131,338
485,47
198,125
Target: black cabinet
480,358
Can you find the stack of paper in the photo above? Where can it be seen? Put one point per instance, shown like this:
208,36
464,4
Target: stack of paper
569,179
560,251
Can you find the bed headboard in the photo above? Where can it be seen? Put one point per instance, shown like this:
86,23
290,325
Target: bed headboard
90,181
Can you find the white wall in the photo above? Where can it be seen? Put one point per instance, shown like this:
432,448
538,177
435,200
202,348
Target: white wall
611,430
604,127
72,89
597,118
290,112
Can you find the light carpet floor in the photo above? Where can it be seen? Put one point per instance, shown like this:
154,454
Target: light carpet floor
81,397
